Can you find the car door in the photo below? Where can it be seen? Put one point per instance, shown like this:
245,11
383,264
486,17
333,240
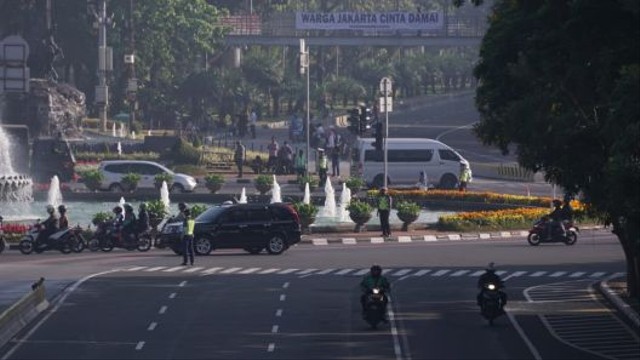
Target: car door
258,225
147,173
232,229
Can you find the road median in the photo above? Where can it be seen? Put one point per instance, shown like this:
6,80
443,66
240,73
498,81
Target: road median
16,317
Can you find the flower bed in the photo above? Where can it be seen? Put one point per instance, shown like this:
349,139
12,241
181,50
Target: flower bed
491,220
471,196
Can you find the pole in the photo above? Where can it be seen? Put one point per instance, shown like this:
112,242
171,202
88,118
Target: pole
132,74
308,111
386,134
102,46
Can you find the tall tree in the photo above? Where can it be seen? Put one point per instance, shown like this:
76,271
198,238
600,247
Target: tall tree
559,79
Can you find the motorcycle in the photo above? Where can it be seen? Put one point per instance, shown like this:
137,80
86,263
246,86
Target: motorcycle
539,233
3,243
491,302
106,238
75,238
56,242
374,307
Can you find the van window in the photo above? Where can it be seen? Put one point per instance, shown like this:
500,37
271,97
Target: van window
117,168
400,155
446,154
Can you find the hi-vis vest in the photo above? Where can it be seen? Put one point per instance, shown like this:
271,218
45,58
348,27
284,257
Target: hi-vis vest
191,224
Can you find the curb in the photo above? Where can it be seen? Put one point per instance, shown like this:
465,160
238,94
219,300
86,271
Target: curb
618,302
18,315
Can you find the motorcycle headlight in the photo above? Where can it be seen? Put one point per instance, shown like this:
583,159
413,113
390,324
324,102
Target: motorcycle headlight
491,287
376,291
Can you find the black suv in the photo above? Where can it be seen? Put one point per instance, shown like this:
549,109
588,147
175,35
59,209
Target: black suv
252,227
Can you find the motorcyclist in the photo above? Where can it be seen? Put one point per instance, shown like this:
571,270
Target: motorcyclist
129,223
143,218
555,225
49,226
181,208
490,277
566,213
374,279
63,221
118,220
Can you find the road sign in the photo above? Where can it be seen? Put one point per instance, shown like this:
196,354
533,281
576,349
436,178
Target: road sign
389,104
385,86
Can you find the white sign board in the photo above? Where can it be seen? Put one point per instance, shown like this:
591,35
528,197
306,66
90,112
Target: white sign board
389,103
392,20
385,86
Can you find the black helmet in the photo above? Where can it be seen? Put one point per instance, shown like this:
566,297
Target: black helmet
557,202
128,208
117,210
182,206
62,209
187,212
491,267
376,270
142,206
50,209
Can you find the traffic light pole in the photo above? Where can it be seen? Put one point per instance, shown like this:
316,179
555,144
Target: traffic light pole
386,135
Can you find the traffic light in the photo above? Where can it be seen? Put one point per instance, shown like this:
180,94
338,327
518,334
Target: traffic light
354,121
378,134
366,117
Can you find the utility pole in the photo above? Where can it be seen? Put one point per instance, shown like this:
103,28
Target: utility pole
304,68
104,63
132,85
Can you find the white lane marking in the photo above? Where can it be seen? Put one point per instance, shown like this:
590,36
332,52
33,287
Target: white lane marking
501,272
597,274
136,268
163,310
533,349
268,271
286,285
514,274
140,345
211,270
343,272
538,273
305,272
422,272
193,269
459,273
279,313
287,271
558,274
577,274
155,268
283,297
402,272
66,293
440,272
152,326
325,271
361,272
394,330
174,269
173,295
386,271
230,270
182,284
274,329
271,347
249,271
477,273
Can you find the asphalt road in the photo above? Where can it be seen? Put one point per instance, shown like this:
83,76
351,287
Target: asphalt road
304,304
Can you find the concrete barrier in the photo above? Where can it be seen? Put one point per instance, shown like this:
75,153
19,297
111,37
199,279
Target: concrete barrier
16,317
501,171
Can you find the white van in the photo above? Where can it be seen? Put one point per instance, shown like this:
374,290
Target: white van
406,157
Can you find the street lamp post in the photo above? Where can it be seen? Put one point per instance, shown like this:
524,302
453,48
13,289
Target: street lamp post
304,68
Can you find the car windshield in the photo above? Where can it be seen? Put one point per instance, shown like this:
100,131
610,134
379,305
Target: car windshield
210,214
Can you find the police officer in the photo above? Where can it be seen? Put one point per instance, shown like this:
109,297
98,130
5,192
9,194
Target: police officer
385,202
187,238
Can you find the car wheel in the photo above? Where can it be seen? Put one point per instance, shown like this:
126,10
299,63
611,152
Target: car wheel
276,244
448,181
203,246
116,188
177,188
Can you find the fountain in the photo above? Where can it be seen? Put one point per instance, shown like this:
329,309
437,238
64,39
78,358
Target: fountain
122,202
13,186
345,200
329,209
307,194
119,148
121,130
164,195
243,197
113,130
54,195
276,194
133,135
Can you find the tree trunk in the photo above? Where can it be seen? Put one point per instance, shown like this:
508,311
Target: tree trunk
628,235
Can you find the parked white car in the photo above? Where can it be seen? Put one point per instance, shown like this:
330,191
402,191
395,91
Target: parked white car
115,170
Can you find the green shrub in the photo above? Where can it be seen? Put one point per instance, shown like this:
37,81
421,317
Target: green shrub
156,209
193,170
92,178
408,208
359,208
131,181
264,180
214,179
184,153
159,178
101,217
197,209
312,180
355,184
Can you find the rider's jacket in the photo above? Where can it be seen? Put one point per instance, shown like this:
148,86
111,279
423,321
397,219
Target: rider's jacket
489,277
369,282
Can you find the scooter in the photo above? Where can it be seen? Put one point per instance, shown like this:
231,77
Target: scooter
374,307
538,233
491,303
106,238
75,238
28,243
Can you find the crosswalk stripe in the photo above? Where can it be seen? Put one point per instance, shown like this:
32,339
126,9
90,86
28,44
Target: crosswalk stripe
343,272
193,269
361,272
577,274
440,272
558,273
287,271
174,269
230,270
268,271
538,273
501,272
249,271
386,271
402,272
136,268
422,272
597,274
212,270
155,268
459,273
477,273
325,271
306,271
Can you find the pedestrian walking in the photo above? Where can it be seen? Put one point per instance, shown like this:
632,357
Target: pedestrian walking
322,167
385,203
335,161
464,178
187,238
273,154
239,157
